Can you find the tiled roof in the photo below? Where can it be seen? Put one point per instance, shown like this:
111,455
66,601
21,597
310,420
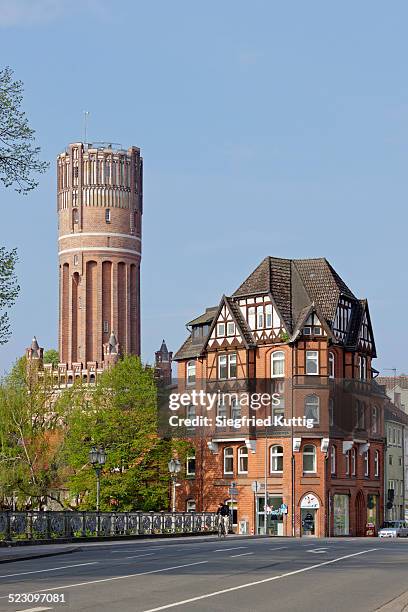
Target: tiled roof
392,413
295,285
206,317
394,381
188,350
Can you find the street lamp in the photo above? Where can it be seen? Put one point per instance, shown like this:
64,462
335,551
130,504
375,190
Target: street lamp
174,469
97,458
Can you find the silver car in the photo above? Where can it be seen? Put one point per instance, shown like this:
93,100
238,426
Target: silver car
394,529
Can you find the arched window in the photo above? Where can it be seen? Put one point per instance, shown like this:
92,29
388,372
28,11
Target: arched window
276,459
331,365
191,372
278,364
312,408
190,505
243,460
376,463
75,218
228,460
309,459
333,459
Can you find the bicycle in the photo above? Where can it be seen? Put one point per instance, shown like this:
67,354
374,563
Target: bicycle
221,528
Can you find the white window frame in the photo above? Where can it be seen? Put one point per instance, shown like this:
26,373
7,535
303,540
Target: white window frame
374,417
353,461
242,456
189,504
260,318
332,364
232,361
362,362
308,453
312,358
333,462
275,455
230,328
191,377
190,411
221,409
189,458
277,357
220,330
315,405
108,216
222,362
228,456
367,463
347,458
376,463
268,316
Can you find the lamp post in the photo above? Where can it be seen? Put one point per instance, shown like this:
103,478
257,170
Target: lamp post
97,458
174,469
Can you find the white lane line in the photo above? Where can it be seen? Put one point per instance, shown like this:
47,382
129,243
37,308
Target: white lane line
241,555
225,549
250,584
317,551
145,555
278,548
79,584
34,609
50,569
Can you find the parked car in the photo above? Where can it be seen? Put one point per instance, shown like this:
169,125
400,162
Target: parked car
394,529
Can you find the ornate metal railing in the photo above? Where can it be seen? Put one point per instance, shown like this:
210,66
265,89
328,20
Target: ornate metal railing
54,525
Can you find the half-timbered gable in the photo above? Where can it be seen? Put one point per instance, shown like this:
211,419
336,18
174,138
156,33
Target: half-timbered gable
262,317
228,328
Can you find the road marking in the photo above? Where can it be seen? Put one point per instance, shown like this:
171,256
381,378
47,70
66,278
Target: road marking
79,584
241,555
51,569
256,582
278,548
225,549
34,609
317,551
134,556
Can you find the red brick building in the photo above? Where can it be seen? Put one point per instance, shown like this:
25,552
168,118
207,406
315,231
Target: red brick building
293,329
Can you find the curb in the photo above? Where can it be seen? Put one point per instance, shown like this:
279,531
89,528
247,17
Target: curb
39,555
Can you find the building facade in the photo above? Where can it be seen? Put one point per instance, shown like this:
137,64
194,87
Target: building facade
295,330
100,206
395,424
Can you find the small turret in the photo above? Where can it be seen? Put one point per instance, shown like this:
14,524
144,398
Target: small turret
163,360
34,352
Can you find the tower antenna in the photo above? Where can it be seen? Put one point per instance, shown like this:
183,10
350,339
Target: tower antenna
86,116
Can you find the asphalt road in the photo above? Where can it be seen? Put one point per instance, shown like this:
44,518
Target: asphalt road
203,574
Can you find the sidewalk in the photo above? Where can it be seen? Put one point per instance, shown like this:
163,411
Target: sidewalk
24,553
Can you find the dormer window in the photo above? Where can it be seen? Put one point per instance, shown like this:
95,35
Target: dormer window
313,326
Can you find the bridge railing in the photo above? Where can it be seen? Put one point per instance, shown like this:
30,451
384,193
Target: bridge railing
55,525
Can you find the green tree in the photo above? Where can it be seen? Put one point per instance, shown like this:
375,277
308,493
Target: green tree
8,289
51,356
19,157
121,415
31,436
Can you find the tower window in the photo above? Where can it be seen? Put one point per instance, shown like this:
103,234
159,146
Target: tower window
108,215
75,215
106,327
75,260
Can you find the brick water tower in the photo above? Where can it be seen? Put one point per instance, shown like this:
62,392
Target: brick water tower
100,224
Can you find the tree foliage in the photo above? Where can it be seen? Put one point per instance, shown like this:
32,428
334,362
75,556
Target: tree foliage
121,416
19,157
51,356
8,289
31,436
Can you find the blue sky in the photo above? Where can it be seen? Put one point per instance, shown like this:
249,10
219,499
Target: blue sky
267,128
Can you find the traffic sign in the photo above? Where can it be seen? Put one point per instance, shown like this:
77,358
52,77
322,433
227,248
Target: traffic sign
255,486
233,491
